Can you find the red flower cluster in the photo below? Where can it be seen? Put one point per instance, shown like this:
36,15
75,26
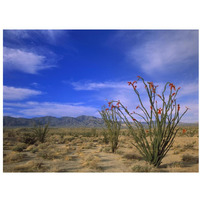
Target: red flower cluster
179,107
159,111
112,107
132,83
118,103
137,107
173,94
184,130
172,86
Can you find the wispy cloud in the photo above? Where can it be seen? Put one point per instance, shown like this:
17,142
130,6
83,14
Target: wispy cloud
13,93
27,62
46,36
88,85
29,109
165,51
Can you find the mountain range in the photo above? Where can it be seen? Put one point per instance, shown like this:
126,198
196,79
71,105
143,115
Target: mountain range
81,121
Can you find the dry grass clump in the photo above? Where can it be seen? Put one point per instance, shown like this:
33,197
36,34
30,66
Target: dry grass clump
49,154
190,159
132,157
140,168
14,157
91,161
20,147
30,166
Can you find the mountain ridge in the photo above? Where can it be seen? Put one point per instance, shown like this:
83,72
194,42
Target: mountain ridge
80,121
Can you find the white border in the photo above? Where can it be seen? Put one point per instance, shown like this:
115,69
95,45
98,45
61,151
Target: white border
104,14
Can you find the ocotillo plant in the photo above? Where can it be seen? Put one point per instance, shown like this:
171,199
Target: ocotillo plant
41,132
154,139
113,126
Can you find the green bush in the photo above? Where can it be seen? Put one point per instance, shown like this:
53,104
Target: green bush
113,126
28,138
155,136
19,147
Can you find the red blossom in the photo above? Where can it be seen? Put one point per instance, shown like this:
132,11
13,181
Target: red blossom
109,103
134,87
179,107
107,109
151,107
172,86
112,107
134,82
151,85
137,107
159,111
184,130
173,94
179,88
134,119
139,76
129,83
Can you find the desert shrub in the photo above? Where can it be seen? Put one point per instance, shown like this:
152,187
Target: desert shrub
41,132
155,137
34,150
105,137
190,159
19,147
113,126
30,166
14,157
94,132
139,168
28,138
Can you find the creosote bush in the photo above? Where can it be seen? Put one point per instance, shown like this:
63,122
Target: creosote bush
155,137
113,126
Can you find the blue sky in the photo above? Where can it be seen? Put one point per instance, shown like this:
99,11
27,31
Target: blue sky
72,72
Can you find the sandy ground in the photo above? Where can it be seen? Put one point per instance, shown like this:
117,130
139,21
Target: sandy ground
90,154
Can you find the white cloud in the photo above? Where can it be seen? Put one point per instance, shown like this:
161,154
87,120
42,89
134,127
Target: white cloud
164,51
12,93
30,109
189,89
98,85
48,36
27,62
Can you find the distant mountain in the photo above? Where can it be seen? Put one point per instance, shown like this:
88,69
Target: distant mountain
81,121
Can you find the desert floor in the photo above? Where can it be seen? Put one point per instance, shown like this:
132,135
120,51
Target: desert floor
83,150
